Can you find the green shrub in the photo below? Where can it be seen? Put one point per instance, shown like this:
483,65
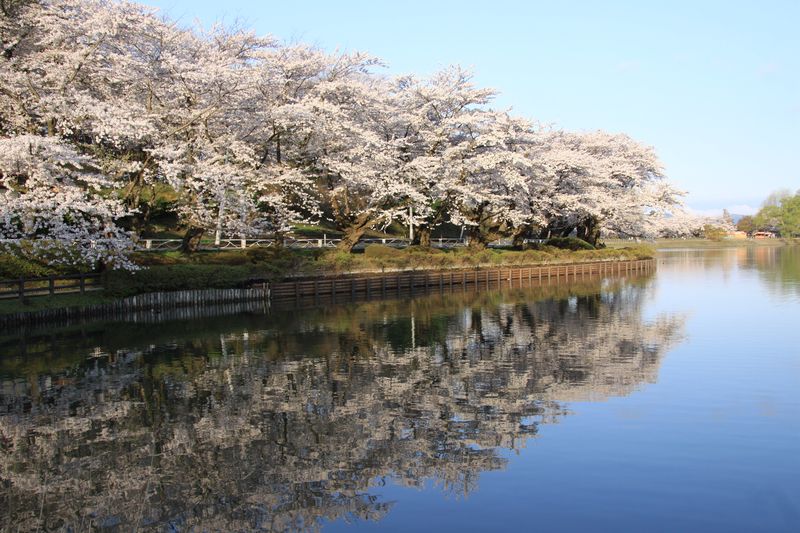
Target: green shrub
158,258
175,278
278,262
337,259
533,246
480,257
498,258
271,262
28,258
714,233
641,251
226,257
569,243
381,251
13,266
535,256
260,255
423,250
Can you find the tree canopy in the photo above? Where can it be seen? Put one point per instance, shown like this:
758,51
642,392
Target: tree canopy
104,104
780,213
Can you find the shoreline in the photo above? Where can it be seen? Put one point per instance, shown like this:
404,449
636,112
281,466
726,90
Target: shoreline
238,270
616,250
337,287
680,244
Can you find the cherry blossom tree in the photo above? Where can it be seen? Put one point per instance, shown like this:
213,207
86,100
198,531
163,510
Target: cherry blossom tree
682,223
329,118
60,122
52,205
104,106
597,181
448,135
349,152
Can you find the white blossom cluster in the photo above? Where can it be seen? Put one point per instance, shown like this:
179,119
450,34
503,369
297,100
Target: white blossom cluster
103,103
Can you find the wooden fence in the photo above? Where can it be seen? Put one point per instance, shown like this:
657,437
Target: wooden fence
400,283
51,285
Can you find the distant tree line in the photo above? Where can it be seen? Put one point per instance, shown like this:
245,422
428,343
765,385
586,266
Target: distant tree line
780,214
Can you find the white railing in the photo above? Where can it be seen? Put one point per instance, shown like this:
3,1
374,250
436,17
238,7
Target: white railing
325,242
152,245
442,242
158,244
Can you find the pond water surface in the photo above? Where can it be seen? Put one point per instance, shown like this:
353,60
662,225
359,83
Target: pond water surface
664,402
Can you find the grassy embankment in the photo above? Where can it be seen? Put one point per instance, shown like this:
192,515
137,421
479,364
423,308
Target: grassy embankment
175,271
703,243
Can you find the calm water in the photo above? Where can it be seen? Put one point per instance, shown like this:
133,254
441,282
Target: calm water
668,402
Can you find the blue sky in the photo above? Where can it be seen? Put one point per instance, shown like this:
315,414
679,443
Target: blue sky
713,86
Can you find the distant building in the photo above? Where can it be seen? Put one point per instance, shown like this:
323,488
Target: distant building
764,235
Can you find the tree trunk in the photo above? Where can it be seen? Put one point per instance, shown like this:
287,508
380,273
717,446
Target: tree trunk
477,239
518,238
423,237
191,239
140,222
354,233
589,230
350,238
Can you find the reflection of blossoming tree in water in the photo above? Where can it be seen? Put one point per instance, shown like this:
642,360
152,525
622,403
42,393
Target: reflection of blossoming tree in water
282,427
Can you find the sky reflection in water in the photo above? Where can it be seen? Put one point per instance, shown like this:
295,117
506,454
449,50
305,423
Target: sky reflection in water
660,403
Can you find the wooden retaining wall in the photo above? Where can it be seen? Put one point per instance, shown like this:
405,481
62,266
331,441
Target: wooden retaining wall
148,307
136,307
404,283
